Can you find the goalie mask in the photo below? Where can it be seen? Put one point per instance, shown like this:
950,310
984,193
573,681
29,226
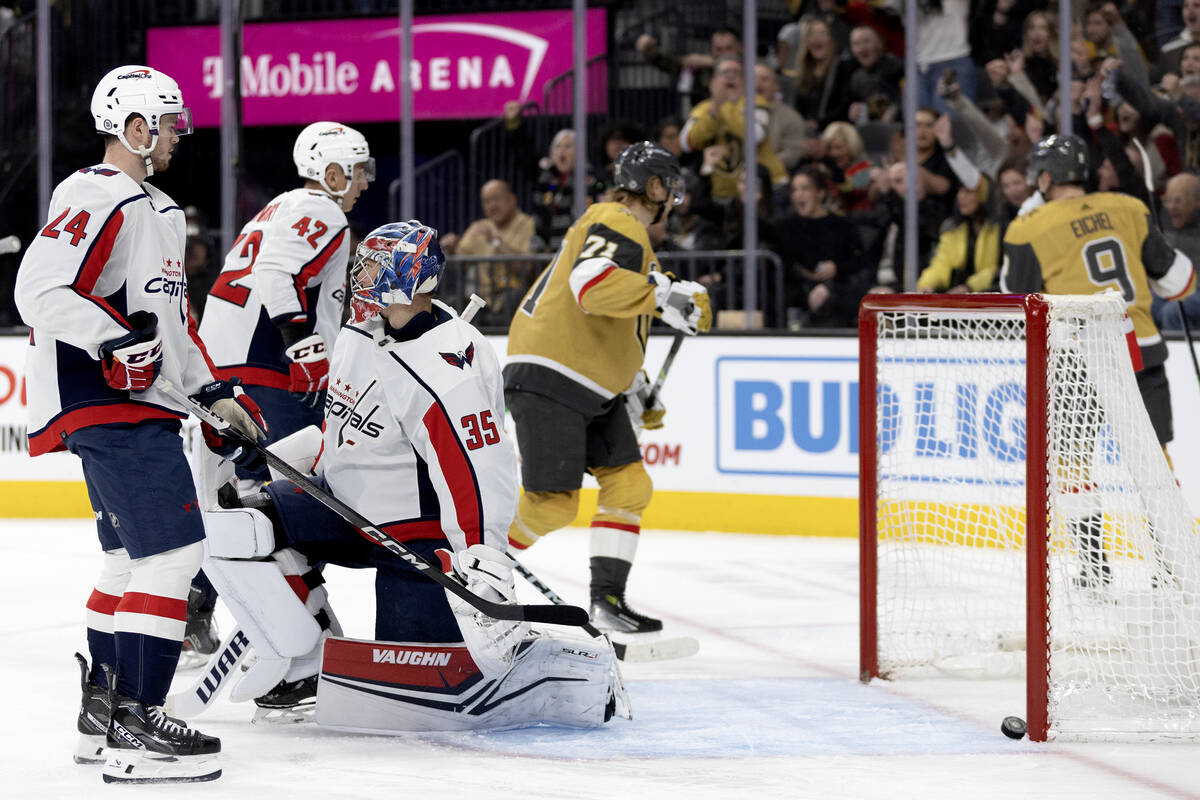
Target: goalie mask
392,264
135,89
324,143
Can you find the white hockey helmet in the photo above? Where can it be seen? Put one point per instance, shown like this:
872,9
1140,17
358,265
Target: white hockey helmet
324,143
136,89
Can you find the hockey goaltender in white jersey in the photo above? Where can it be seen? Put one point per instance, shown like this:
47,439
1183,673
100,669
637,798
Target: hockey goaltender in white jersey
414,441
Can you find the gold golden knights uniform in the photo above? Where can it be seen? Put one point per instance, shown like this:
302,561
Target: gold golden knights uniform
1087,244
727,128
579,335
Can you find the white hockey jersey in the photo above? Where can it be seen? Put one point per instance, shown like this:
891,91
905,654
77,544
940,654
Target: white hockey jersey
288,264
414,431
110,247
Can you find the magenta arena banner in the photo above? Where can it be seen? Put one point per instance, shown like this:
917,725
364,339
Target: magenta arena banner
465,65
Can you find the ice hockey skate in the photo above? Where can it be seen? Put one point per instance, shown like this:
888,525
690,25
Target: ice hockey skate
147,746
93,718
201,637
610,612
289,701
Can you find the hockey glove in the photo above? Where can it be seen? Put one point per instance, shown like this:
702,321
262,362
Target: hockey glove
230,402
308,366
683,305
132,362
488,573
651,418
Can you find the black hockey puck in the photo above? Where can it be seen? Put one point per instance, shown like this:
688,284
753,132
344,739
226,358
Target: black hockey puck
1013,727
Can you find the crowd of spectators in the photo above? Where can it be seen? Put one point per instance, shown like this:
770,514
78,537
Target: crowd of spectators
827,111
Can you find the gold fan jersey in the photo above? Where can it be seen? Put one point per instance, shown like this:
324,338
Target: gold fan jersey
579,335
1087,244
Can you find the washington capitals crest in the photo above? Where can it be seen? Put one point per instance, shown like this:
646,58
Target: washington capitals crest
463,359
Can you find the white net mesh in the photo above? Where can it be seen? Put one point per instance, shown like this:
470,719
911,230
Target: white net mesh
1123,589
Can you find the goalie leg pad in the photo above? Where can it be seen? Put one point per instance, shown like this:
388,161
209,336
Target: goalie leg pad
384,687
539,513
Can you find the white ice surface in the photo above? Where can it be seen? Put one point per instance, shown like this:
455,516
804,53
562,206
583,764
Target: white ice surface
769,708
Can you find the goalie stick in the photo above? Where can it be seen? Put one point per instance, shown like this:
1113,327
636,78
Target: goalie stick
213,680
547,614
658,650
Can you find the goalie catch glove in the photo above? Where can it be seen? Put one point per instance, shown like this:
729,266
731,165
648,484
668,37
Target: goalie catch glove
230,402
488,573
684,305
132,362
651,418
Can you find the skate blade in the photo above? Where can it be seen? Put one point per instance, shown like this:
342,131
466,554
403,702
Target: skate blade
89,750
285,716
638,649
191,659
131,767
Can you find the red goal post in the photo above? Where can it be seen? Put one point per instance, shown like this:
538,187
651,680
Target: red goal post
976,409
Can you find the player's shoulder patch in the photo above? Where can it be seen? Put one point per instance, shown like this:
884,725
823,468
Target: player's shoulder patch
462,358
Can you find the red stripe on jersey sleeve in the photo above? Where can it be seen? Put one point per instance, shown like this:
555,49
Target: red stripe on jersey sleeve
592,283
97,257
153,605
314,267
457,471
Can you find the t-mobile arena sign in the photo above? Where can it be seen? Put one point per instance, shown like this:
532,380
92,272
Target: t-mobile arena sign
465,65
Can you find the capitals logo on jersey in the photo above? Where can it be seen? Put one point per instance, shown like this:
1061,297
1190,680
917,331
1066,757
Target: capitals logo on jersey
343,406
462,359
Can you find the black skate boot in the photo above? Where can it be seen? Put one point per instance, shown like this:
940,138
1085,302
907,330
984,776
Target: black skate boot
147,746
289,701
93,719
201,637
609,611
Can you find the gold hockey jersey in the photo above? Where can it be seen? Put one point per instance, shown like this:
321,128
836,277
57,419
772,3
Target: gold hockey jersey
1087,244
579,334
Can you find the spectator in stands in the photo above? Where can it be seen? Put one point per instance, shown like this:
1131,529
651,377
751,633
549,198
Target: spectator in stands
666,133
1098,33
1039,45
786,129
1157,140
720,121
831,12
692,73
504,230
890,275
825,271
1172,50
874,88
1181,228
817,78
942,45
968,251
851,171
995,29
1014,189
937,177
688,230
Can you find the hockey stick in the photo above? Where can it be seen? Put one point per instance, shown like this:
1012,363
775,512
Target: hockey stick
660,650
201,694
1148,179
676,343
548,614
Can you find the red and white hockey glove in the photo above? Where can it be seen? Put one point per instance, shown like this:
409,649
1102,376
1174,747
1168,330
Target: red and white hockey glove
230,402
132,362
308,369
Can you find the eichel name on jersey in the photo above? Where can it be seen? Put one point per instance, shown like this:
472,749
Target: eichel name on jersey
579,336
1084,245
425,416
110,247
288,264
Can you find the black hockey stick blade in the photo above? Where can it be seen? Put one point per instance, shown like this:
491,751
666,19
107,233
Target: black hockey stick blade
549,614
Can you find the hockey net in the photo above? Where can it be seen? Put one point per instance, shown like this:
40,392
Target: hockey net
1018,517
